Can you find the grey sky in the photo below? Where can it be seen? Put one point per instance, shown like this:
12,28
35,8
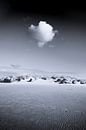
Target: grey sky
18,47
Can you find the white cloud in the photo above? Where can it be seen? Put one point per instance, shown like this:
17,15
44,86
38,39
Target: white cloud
43,33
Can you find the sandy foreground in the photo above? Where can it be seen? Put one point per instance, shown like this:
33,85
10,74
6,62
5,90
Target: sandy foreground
42,107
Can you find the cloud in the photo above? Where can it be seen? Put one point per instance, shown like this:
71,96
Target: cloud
43,33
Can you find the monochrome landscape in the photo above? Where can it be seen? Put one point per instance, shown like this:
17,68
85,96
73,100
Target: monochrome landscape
42,66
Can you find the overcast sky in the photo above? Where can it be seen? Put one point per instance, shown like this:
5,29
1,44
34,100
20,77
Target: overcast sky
65,52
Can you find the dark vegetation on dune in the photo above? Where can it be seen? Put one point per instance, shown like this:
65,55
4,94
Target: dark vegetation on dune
55,79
